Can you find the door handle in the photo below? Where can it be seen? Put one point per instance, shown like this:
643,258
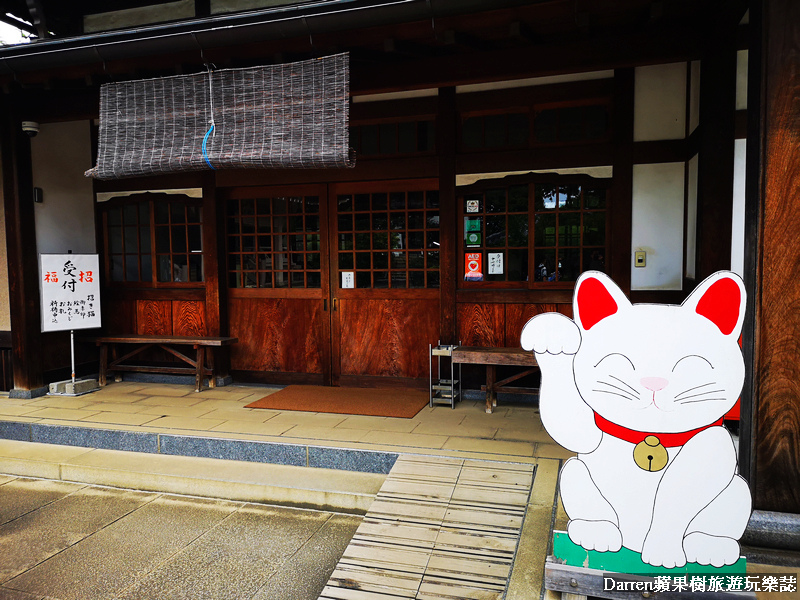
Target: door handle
325,304
334,304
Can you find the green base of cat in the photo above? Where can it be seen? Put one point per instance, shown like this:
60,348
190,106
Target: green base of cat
628,561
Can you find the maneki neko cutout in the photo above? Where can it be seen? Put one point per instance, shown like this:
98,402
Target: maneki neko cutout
639,391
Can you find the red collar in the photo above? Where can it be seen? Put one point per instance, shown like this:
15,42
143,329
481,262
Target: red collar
668,440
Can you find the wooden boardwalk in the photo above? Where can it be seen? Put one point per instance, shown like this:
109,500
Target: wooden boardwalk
440,528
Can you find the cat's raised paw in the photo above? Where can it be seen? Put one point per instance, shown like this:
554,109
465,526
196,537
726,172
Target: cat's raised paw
602,536
551,333
705,549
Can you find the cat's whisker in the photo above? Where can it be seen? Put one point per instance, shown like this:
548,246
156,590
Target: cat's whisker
633,389
700,400
623,396
693,389
624,392
677,399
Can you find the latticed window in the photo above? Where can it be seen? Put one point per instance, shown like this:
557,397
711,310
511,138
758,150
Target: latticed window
153,241
533,234
274,242
388,239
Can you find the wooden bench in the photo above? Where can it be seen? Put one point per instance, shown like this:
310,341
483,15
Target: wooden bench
144,342
491,357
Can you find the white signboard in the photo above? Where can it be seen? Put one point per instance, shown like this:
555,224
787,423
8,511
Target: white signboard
70,291
348,280
495,263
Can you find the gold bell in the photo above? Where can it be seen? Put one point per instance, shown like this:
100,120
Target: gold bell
650,454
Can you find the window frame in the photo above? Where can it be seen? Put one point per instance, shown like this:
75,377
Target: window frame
151,199
482,186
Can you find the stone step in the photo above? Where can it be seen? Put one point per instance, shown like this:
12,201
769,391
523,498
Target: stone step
298,486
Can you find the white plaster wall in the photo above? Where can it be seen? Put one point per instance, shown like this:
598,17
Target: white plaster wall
694,96
742,57
691,217
659,111
657,226
65,220
737,237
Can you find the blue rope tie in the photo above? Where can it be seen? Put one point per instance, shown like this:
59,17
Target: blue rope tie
205,147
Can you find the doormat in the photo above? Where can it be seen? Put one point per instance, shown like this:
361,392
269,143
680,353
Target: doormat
403,403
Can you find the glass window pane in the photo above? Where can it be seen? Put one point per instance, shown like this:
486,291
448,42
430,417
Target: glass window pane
569,229
545,265
544,197
195,267
569,197
177,211
407,137
594,228
433,259
380,260
147,267
312,241
569,264
161,210
432,220
380,279
248,206
544,127
388,138
345,223
496,231
432,239
396,240
362,260
312,204
144,212
279,206
398,279
263,225
380,221
517,230
264,243
594,198
195,238
233,225
312,223
162,239
312,261
115,239
132,268
131,239
380,240
116,268
129,214
248,243
398,260
433,279
397,221
345,203
114,216
416,279
262,206
346,261
416,239
432,198
495,131
298,280
416,220
544,232
295,205
361,202
193,214
234,244
279,242
495,201
363,279
397,200
518,127
363,241
570,124
594,259
164,268
296,262
416,200
345,241
362,222
369,142
518,198
416,260
295,223
379,202
313,280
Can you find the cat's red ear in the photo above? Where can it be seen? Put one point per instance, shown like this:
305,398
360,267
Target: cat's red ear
596,297
721,299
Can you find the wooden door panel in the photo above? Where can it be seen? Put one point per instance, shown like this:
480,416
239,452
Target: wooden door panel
188,318
481,325
387,337
154,317
119,316
277,334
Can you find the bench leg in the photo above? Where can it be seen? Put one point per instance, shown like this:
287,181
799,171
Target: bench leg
201,361
103,364
491,398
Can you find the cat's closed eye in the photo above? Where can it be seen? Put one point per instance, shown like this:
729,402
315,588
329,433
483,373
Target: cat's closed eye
616,354
692,360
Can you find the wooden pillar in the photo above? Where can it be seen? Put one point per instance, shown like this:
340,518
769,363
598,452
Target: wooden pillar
449,263
23,263
717,145
773,251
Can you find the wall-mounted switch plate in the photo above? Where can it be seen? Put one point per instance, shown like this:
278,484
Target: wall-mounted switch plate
640,258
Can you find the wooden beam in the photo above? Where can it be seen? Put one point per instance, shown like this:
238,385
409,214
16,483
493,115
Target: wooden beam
619,263
776,369
23,267
449,262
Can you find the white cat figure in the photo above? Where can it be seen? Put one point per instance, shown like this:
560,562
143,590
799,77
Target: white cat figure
639,392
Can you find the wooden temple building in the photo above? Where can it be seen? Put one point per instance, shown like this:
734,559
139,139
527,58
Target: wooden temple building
502,147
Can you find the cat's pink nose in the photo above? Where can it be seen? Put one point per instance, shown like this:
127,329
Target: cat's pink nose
654,384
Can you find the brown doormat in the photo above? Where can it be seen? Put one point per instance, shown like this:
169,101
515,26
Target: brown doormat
375,402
